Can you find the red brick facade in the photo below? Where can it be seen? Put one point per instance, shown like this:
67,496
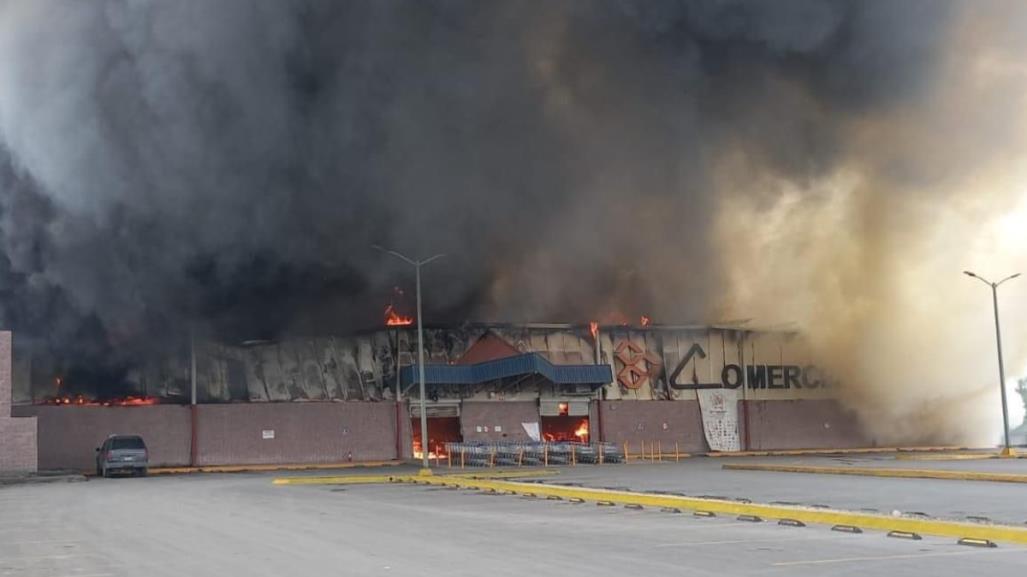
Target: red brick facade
18,450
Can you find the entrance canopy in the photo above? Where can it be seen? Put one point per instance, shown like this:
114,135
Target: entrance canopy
518,365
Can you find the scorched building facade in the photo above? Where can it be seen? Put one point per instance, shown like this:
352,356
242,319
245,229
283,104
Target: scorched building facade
689,388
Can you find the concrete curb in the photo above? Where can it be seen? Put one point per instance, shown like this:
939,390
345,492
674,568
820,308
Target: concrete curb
854,451
881,472
830,517
378,479
946,456
11,480
267,468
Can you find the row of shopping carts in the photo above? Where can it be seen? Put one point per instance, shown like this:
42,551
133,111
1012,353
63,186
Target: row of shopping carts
503,454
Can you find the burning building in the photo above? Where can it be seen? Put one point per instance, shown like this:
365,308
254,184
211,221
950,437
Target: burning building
693,388
831,164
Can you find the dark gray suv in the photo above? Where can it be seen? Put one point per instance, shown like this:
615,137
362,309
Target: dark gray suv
122,453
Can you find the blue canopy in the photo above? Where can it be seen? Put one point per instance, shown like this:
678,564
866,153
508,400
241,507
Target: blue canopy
526,364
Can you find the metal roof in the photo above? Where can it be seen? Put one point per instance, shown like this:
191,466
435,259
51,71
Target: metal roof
526,364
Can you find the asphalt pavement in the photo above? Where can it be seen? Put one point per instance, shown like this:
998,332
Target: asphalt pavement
240,524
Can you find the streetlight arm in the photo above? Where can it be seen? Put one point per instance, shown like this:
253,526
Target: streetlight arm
980,278
395,254
1010,277
428,260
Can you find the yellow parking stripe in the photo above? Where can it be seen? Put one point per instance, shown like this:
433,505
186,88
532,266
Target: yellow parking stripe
1005,533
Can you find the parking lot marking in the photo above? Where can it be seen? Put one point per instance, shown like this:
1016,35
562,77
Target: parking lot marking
864,521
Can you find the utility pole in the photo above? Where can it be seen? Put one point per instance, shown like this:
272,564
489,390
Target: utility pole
193,444
425,468
1007,450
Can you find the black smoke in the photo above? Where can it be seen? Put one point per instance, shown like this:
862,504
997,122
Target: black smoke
227,165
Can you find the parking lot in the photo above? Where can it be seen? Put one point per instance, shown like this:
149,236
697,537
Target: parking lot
236,524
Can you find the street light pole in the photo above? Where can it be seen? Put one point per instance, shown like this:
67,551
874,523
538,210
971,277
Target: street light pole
1007,450
420,348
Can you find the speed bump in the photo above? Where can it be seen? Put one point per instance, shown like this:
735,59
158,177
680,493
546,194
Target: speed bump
846,529
976,542
905,535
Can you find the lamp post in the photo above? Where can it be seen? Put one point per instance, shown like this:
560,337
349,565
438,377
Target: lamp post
420,348
1006,450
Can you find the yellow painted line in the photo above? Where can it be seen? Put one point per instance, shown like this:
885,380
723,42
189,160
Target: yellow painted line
884,472
265,468
1004,533
855,451
936,527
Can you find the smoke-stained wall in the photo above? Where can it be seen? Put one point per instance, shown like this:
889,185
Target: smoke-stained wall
647,364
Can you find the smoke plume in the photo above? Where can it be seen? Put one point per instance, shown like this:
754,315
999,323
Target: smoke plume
227,165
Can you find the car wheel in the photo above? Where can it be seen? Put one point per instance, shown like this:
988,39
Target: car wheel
142,472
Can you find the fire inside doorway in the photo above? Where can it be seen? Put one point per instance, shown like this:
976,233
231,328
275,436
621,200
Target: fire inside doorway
441,430
564,421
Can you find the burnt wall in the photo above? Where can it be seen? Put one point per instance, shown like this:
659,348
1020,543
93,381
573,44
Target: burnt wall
68,436
800,424
507,415
302,433
635,422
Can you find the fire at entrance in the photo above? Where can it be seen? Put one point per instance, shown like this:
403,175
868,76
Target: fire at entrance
565,428
441,430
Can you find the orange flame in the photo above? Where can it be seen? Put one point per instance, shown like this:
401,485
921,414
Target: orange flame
81,401
438,453
593,327
646,321
394,319
582,431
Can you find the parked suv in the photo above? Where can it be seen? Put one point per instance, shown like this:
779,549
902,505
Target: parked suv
122,453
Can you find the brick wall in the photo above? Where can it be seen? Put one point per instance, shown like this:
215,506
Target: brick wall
668,422
508,415
227,434
801,424
18,450
303,433
68,436
336,432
